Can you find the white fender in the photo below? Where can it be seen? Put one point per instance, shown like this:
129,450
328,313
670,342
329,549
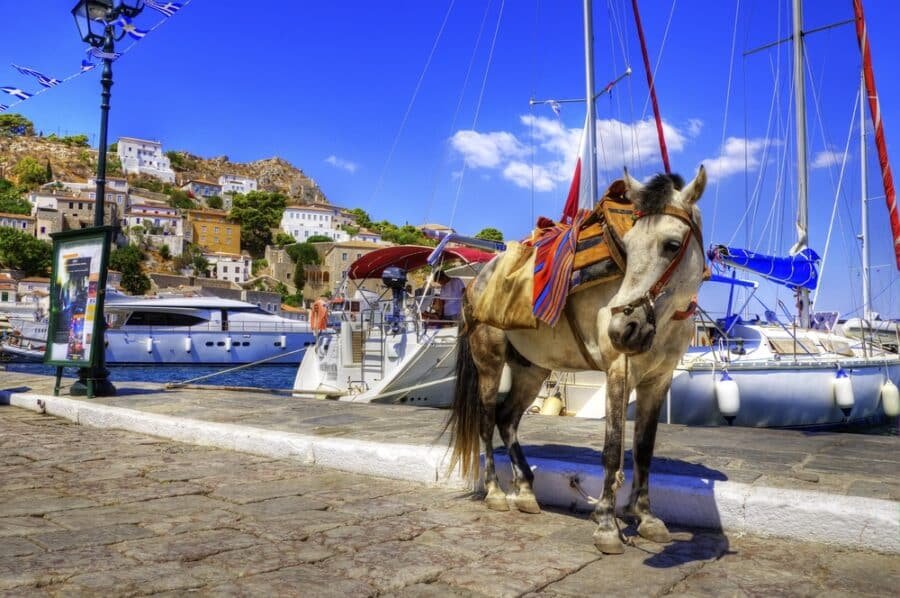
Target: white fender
282,341
148,344
728,396
188,343
228,343
843,390
890,399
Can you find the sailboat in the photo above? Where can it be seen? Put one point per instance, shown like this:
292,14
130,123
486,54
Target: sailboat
767,373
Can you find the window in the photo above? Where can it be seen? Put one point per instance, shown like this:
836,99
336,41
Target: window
216,229
80,206
344,257
150,318
225,269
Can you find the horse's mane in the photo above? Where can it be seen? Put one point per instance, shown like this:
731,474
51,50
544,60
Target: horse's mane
657,193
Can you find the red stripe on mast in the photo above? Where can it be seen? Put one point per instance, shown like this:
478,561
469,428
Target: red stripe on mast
659,128
875,111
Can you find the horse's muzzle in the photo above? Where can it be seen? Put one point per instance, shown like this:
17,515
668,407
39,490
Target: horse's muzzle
631,333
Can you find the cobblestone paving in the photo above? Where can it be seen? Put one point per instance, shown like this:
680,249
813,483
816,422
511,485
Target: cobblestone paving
99,512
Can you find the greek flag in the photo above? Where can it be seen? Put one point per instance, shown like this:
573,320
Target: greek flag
166,8
16,92
129,28
42,79
87,65
98,53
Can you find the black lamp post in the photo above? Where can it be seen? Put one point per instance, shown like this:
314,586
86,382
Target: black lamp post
96,21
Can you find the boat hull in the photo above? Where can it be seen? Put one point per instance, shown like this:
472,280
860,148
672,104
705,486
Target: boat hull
174,347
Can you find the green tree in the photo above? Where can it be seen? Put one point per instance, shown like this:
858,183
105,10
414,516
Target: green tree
30,172
181,200
320,239
490,234
21,251
362,217
49,171
258,212
11,200
215,202
165,253
15,125
127,260
200,264
304,253
282,239
259,265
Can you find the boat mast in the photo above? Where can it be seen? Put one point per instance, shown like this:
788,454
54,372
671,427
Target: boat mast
591,113
802,198
867,289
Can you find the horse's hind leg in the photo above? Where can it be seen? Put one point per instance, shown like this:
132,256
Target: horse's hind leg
650,397
606,537
526,382
487,352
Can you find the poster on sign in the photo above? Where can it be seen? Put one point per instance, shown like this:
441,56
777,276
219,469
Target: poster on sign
79,267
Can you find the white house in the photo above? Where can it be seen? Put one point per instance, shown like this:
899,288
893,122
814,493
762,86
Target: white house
20,222
229,266
232,183
163,225
303,222
142,156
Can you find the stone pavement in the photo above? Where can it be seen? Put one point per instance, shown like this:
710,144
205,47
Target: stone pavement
836,488
87,511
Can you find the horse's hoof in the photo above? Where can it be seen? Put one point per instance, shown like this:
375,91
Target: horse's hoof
496,502
655,530
527,503
608,542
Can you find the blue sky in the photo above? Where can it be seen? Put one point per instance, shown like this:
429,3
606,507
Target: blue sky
341,89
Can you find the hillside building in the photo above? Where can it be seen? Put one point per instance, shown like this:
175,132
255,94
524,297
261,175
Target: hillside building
336,259
213,232
200,188
21,222
228,266
232,183
141,156
46,222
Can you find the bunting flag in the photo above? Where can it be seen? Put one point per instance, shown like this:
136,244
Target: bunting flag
42,79
16,92
129,27
167,8
579,190
556,107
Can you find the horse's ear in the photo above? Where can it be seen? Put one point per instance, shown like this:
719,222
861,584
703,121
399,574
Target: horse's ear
692,192
632,185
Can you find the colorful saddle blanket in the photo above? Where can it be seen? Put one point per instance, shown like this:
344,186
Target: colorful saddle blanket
572,257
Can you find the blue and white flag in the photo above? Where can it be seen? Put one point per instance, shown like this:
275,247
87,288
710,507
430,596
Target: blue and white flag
166,8
16,92
87,65
554,105
129,28
42,79
100,54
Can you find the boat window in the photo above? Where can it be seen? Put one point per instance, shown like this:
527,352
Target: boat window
209,343
788,346
838,346
156,318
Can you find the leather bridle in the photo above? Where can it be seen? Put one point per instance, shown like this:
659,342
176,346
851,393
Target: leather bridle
647,301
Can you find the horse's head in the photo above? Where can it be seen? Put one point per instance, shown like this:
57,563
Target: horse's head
664,260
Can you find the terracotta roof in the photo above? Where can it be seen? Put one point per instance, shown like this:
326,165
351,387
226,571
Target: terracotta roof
36,279
16,216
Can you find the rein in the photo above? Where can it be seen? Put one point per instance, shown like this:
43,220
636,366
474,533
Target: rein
647,301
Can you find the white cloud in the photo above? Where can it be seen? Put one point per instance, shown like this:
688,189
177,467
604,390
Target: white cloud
341,163
695,125
826,159
737,155
556,148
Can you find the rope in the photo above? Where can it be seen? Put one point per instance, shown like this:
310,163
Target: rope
487,70
234,369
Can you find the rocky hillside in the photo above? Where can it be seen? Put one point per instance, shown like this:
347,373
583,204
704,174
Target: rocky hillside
71,162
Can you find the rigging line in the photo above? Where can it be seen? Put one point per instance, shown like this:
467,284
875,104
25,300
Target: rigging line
412,102
458,108
837,197
487,70
737,12
534,61
659,56
616,101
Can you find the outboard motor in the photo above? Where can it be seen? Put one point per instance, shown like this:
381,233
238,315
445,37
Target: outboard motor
394,278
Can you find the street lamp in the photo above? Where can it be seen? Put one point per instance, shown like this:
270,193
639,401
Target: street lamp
96,22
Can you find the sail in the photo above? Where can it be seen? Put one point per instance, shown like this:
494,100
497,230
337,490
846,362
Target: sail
796,271
875,109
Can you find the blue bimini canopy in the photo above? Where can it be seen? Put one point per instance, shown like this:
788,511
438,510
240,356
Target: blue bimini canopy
794,272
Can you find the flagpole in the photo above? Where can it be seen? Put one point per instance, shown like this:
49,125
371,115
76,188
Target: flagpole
591,114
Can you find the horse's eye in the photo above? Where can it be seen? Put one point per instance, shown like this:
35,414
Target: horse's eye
671,247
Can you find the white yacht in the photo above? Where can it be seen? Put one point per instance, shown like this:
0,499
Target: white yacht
388,349
200,331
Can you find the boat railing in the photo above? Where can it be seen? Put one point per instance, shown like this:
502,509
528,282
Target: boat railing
239,327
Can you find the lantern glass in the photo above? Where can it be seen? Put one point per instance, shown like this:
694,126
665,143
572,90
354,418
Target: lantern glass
90,17
131,8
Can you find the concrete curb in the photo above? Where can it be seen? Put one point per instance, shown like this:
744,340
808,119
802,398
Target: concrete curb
853,522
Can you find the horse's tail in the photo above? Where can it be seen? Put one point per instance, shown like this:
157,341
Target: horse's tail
466,412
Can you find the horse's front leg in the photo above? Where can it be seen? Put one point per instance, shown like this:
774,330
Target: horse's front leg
487,353
650,396
606,536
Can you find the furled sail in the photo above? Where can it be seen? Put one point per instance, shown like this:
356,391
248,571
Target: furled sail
794,272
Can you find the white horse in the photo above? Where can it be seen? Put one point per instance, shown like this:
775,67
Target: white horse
634,328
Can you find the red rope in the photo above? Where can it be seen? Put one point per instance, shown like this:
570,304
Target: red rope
875,112
659,127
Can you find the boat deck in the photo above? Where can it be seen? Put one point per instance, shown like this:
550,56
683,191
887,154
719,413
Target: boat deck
836,488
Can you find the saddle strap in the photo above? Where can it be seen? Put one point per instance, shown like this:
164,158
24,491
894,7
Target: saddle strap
579,338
